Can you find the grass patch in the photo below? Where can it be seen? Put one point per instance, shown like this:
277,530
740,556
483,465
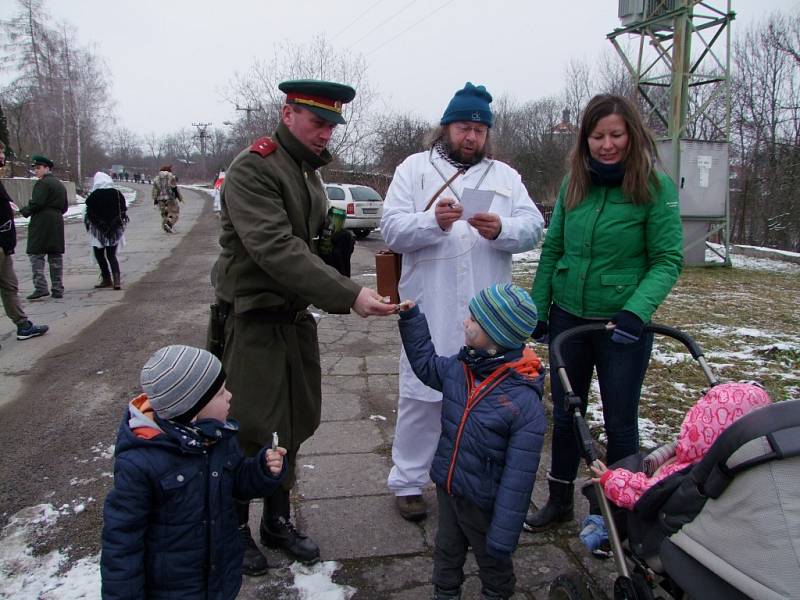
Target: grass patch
746,319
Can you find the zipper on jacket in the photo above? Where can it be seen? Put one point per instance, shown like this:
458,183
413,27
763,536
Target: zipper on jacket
474,395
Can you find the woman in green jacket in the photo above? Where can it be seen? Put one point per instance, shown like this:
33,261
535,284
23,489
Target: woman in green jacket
612,253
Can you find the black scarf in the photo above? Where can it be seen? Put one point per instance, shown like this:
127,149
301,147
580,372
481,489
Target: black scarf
106,215
483,363
606,175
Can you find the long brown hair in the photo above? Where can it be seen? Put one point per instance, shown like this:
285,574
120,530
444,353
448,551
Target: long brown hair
639,159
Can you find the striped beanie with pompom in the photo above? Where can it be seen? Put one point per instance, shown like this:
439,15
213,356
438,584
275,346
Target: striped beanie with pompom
506,313
180,380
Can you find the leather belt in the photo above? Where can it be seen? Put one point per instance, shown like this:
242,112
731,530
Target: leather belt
280,317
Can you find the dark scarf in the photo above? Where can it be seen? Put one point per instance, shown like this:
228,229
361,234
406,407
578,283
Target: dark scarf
483,363
606,175
106,215
200,434
443,150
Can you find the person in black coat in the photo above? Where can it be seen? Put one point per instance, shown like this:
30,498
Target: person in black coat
170,528
105,220
9,285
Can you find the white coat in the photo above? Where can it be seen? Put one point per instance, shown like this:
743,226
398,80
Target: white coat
443,270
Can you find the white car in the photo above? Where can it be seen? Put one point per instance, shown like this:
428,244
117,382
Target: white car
362,205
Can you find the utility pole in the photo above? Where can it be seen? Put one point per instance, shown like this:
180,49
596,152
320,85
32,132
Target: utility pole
248,110
683,53
202,135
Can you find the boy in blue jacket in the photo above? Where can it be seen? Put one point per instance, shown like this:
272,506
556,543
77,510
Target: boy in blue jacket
493,424
169,526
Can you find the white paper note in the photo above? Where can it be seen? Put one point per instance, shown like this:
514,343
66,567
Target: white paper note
475,201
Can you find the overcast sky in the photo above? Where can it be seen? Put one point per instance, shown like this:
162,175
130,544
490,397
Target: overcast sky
171,59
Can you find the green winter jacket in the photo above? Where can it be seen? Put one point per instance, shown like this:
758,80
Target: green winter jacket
608,254
46,210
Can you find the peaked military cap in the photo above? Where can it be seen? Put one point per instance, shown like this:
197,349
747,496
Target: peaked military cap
323,98
38,159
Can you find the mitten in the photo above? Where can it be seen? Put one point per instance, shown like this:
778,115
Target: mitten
628,328
540,333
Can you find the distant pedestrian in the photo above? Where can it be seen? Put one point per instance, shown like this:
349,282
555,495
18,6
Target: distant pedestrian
105,220
9,287
217,189
46,229
169,522
493,426
166,196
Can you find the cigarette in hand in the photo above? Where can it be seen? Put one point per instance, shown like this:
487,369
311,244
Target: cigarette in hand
274,441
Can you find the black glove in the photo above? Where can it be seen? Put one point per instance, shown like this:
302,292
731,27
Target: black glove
628,328
540,333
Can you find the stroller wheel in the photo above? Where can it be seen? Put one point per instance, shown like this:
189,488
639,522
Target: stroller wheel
570,586
635,588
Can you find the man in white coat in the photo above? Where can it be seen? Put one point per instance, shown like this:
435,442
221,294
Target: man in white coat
456,216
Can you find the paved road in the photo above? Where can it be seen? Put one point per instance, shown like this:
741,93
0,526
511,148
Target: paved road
61,398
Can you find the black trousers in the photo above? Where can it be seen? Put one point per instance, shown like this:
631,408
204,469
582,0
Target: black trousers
106,257
461,525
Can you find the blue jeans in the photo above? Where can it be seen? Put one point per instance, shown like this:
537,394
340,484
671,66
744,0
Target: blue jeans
620,373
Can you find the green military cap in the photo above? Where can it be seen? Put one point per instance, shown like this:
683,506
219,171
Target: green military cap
38,159
323,98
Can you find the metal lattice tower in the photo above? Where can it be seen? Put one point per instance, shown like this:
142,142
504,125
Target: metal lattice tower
680,66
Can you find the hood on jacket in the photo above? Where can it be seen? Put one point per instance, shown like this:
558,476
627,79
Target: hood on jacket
714,413
529,365
142,418
102,181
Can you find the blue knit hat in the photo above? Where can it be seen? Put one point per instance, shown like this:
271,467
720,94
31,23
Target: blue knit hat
506,313
469,104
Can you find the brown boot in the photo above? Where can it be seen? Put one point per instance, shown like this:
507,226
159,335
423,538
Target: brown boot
117,285
105,282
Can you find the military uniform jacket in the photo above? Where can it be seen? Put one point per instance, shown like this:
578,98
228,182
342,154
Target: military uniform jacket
46,210
273,208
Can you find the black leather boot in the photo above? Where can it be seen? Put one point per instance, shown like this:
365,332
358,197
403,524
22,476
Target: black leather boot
559,507
277,530
443,594
254,562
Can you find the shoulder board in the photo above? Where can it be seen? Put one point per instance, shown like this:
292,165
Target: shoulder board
264,146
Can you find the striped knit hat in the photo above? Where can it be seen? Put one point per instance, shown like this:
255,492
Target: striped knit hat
506,313
180,380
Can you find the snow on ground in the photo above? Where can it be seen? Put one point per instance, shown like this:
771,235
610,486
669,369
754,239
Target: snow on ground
314,582
26,576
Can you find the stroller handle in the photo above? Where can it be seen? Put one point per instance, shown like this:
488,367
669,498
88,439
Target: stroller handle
694,348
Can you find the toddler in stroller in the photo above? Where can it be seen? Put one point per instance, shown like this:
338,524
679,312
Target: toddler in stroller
741,545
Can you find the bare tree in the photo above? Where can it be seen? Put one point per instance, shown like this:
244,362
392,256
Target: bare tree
257,90
765,201
395,137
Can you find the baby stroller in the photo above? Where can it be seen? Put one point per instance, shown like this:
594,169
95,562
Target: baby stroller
725,528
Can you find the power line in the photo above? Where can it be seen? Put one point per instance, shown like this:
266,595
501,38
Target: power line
406,7
430,14
346,27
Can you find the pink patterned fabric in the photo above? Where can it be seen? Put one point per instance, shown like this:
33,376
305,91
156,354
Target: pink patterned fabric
702,425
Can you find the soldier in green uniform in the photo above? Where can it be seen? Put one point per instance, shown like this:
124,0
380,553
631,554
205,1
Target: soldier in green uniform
267,275
46,229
